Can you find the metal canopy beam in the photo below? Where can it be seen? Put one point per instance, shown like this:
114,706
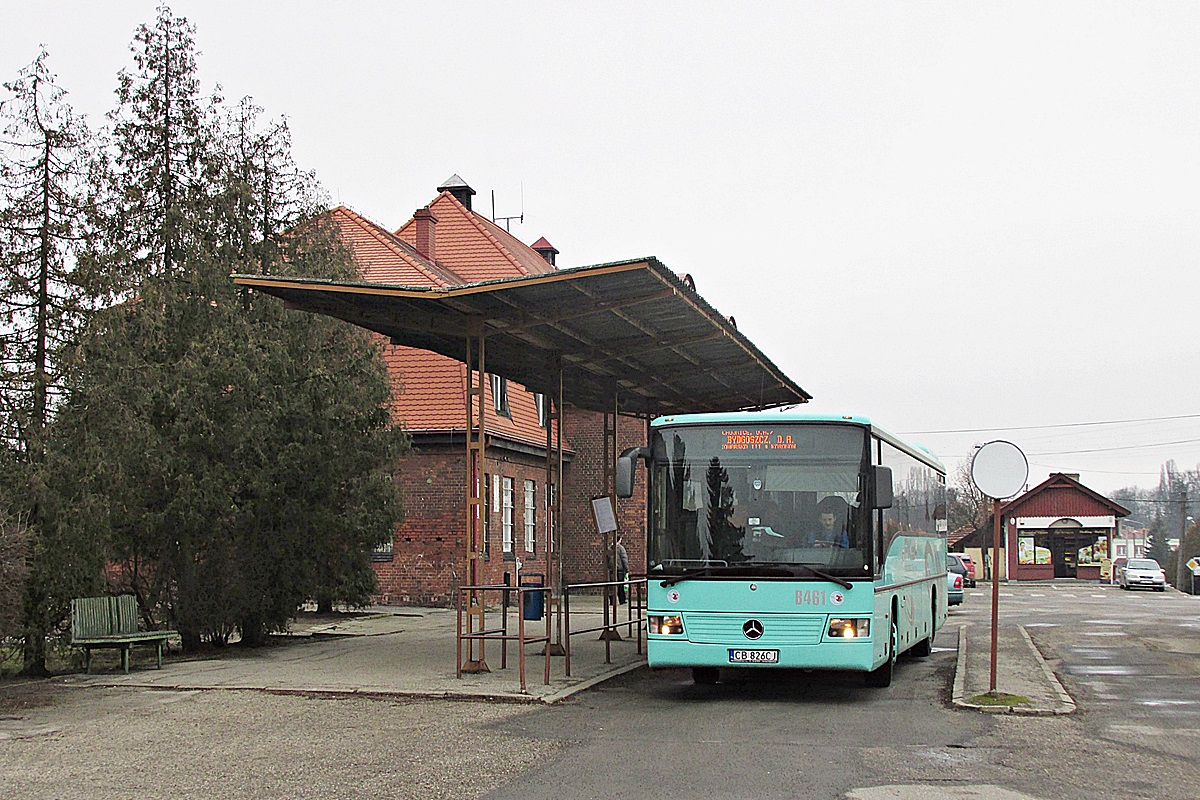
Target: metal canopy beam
632,329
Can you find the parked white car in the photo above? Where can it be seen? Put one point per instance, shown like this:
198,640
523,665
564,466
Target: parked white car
1143,572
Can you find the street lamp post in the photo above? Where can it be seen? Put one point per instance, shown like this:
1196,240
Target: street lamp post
1184,519
1183,537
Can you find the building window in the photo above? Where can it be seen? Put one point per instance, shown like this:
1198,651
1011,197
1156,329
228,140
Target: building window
506,516
551,518
539,400
530,516
500,396
382,552
1034,549
487,518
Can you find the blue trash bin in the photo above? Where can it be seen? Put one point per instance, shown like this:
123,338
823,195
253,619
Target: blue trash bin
533,605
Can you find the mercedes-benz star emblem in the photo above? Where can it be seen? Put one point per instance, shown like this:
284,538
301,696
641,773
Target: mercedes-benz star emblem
753,629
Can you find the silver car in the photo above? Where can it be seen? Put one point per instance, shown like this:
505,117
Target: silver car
1143,572
956,575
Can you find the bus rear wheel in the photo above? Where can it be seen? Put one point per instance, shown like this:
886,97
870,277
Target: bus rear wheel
881,676
705,676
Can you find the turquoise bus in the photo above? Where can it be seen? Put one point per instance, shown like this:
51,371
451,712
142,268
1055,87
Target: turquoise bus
789,540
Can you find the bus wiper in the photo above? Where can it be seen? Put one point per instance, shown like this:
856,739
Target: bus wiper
696,573
756,570
845,584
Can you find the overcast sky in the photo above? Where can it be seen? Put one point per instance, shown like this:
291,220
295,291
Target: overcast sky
967,217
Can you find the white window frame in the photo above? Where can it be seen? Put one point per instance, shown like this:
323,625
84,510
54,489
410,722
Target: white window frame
550,517
530,516
487,519
500,395
539,400
506,515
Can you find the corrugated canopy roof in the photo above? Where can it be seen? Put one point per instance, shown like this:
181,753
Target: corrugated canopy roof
632,329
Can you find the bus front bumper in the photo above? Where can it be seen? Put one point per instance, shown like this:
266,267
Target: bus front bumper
676,652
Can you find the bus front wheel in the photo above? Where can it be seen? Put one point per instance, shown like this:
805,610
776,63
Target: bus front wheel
881,676
704,676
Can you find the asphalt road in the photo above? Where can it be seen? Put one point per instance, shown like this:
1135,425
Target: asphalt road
1130,660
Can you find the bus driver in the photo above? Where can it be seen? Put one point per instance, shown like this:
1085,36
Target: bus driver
832,513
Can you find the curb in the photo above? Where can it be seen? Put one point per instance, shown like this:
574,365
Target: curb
551,699
318,691
444,694
1067,705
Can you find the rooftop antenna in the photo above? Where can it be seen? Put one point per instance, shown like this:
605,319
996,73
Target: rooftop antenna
508,220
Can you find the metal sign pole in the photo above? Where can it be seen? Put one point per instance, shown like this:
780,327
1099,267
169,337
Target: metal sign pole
995,589
998,469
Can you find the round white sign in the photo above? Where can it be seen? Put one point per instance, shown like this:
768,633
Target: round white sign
999,469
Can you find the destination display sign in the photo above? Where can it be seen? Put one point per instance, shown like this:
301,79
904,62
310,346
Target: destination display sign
756,439
783,442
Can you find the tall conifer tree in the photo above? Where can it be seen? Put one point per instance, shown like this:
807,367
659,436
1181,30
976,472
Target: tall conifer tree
245,448
43,177
45,156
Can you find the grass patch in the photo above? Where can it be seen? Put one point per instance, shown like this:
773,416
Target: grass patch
998,699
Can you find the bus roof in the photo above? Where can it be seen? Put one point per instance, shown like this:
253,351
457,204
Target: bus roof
789,415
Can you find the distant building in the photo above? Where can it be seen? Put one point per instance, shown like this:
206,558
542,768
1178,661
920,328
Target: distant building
1130,542
1058,529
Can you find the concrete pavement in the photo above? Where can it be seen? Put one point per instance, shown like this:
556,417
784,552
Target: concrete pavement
1025,682
397,651
394,651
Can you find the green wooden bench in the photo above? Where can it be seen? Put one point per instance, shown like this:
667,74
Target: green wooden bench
111,622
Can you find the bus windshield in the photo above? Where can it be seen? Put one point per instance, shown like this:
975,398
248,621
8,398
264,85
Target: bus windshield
765,500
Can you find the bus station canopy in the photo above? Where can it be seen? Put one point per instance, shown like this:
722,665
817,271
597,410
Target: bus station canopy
630,336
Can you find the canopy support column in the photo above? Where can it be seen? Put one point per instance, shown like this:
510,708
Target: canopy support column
610,489
476,435
554,471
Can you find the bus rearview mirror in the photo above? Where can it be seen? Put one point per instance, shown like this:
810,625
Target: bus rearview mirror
625,466
883,487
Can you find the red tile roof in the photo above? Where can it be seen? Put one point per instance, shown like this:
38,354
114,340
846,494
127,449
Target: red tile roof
429,390
383,257
473,246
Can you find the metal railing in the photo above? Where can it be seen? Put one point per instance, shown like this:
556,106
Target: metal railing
501,634
634,622
635,615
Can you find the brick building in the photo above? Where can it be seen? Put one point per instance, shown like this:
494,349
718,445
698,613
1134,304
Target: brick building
612,345
445,244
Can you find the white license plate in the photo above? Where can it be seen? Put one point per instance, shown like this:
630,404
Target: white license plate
753,656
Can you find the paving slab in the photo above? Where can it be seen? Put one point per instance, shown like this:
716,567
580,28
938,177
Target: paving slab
413,652
401,651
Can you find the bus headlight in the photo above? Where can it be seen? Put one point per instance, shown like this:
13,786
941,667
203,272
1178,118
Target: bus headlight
849,628
666,624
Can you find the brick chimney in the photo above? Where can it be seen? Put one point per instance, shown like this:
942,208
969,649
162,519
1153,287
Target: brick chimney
458,187
425,233
545,250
